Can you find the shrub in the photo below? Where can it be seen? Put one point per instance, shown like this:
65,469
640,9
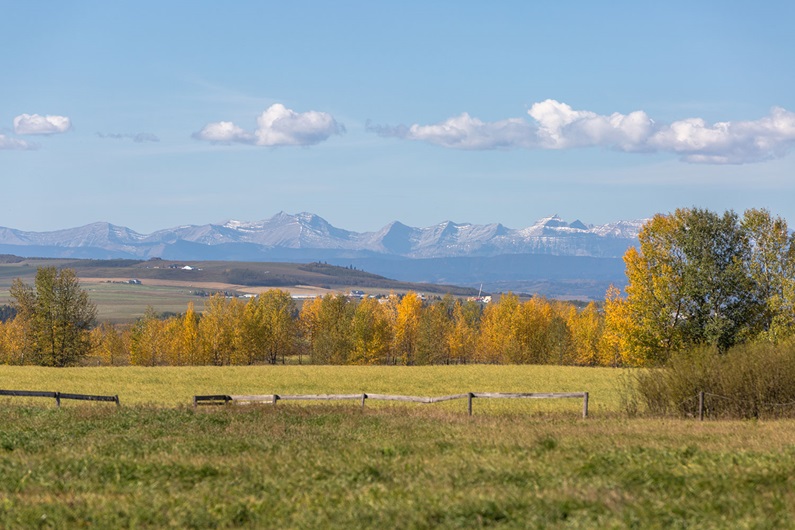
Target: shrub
749,381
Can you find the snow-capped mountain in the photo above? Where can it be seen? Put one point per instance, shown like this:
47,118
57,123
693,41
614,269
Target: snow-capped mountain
308,236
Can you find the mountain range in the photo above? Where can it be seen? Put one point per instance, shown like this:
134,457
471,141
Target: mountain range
462,253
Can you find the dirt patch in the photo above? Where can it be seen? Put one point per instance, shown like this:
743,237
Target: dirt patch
295,290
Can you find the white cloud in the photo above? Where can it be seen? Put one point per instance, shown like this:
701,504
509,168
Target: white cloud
7,143
277,126
729,142
465,132
37,124
224,132
562,127
556,125
135,137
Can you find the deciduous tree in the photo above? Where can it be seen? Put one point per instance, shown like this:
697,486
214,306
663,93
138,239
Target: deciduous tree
689,283
57,316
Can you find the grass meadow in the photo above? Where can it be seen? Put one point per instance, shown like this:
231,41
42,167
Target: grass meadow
122,303
173,386
157,462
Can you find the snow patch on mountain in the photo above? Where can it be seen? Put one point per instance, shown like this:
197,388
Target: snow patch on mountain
306,231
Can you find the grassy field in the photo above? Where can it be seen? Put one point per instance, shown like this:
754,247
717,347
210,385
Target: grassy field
165,464
173,386
169,290
122,303
220,275
118,302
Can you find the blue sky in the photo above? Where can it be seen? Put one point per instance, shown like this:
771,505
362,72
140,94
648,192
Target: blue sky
157,114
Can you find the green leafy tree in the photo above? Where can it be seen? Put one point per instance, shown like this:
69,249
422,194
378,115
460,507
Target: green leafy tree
772,269
689,283
57,315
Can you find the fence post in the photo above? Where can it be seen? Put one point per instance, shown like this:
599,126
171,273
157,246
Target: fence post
701,406
585,404
117,400
58,399
364,396
470,395
275,398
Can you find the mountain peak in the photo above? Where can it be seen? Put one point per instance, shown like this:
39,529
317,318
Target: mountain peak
314,237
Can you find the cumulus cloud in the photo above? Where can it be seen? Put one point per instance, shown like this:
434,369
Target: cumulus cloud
556,125
561,127
729,142
135,137
8,143
277,126
37,124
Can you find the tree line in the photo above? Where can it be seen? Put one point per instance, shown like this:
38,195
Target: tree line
697,278
334,329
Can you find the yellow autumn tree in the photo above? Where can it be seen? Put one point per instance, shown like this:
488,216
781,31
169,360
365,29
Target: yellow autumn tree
218,329
372,333
586,328
435,328
110,345
268,329
498,341
15,342
147,340
463,337
326,326
188,337
532,324
407,323
616,348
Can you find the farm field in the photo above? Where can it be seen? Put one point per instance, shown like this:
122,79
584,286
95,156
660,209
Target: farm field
174,386
157,462
169,290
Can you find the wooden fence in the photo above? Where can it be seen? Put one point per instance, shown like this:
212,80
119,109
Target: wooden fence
221,399
58,396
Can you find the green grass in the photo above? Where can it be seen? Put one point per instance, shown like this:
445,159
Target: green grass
340,467
119,302
156,462
122,303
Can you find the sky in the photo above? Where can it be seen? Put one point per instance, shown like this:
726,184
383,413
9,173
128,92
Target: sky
153,114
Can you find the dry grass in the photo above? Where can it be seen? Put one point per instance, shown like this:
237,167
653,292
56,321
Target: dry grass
177,385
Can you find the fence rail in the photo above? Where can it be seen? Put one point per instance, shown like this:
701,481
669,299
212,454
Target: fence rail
222,399
58,396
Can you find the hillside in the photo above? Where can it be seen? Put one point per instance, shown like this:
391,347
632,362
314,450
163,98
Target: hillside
226,273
